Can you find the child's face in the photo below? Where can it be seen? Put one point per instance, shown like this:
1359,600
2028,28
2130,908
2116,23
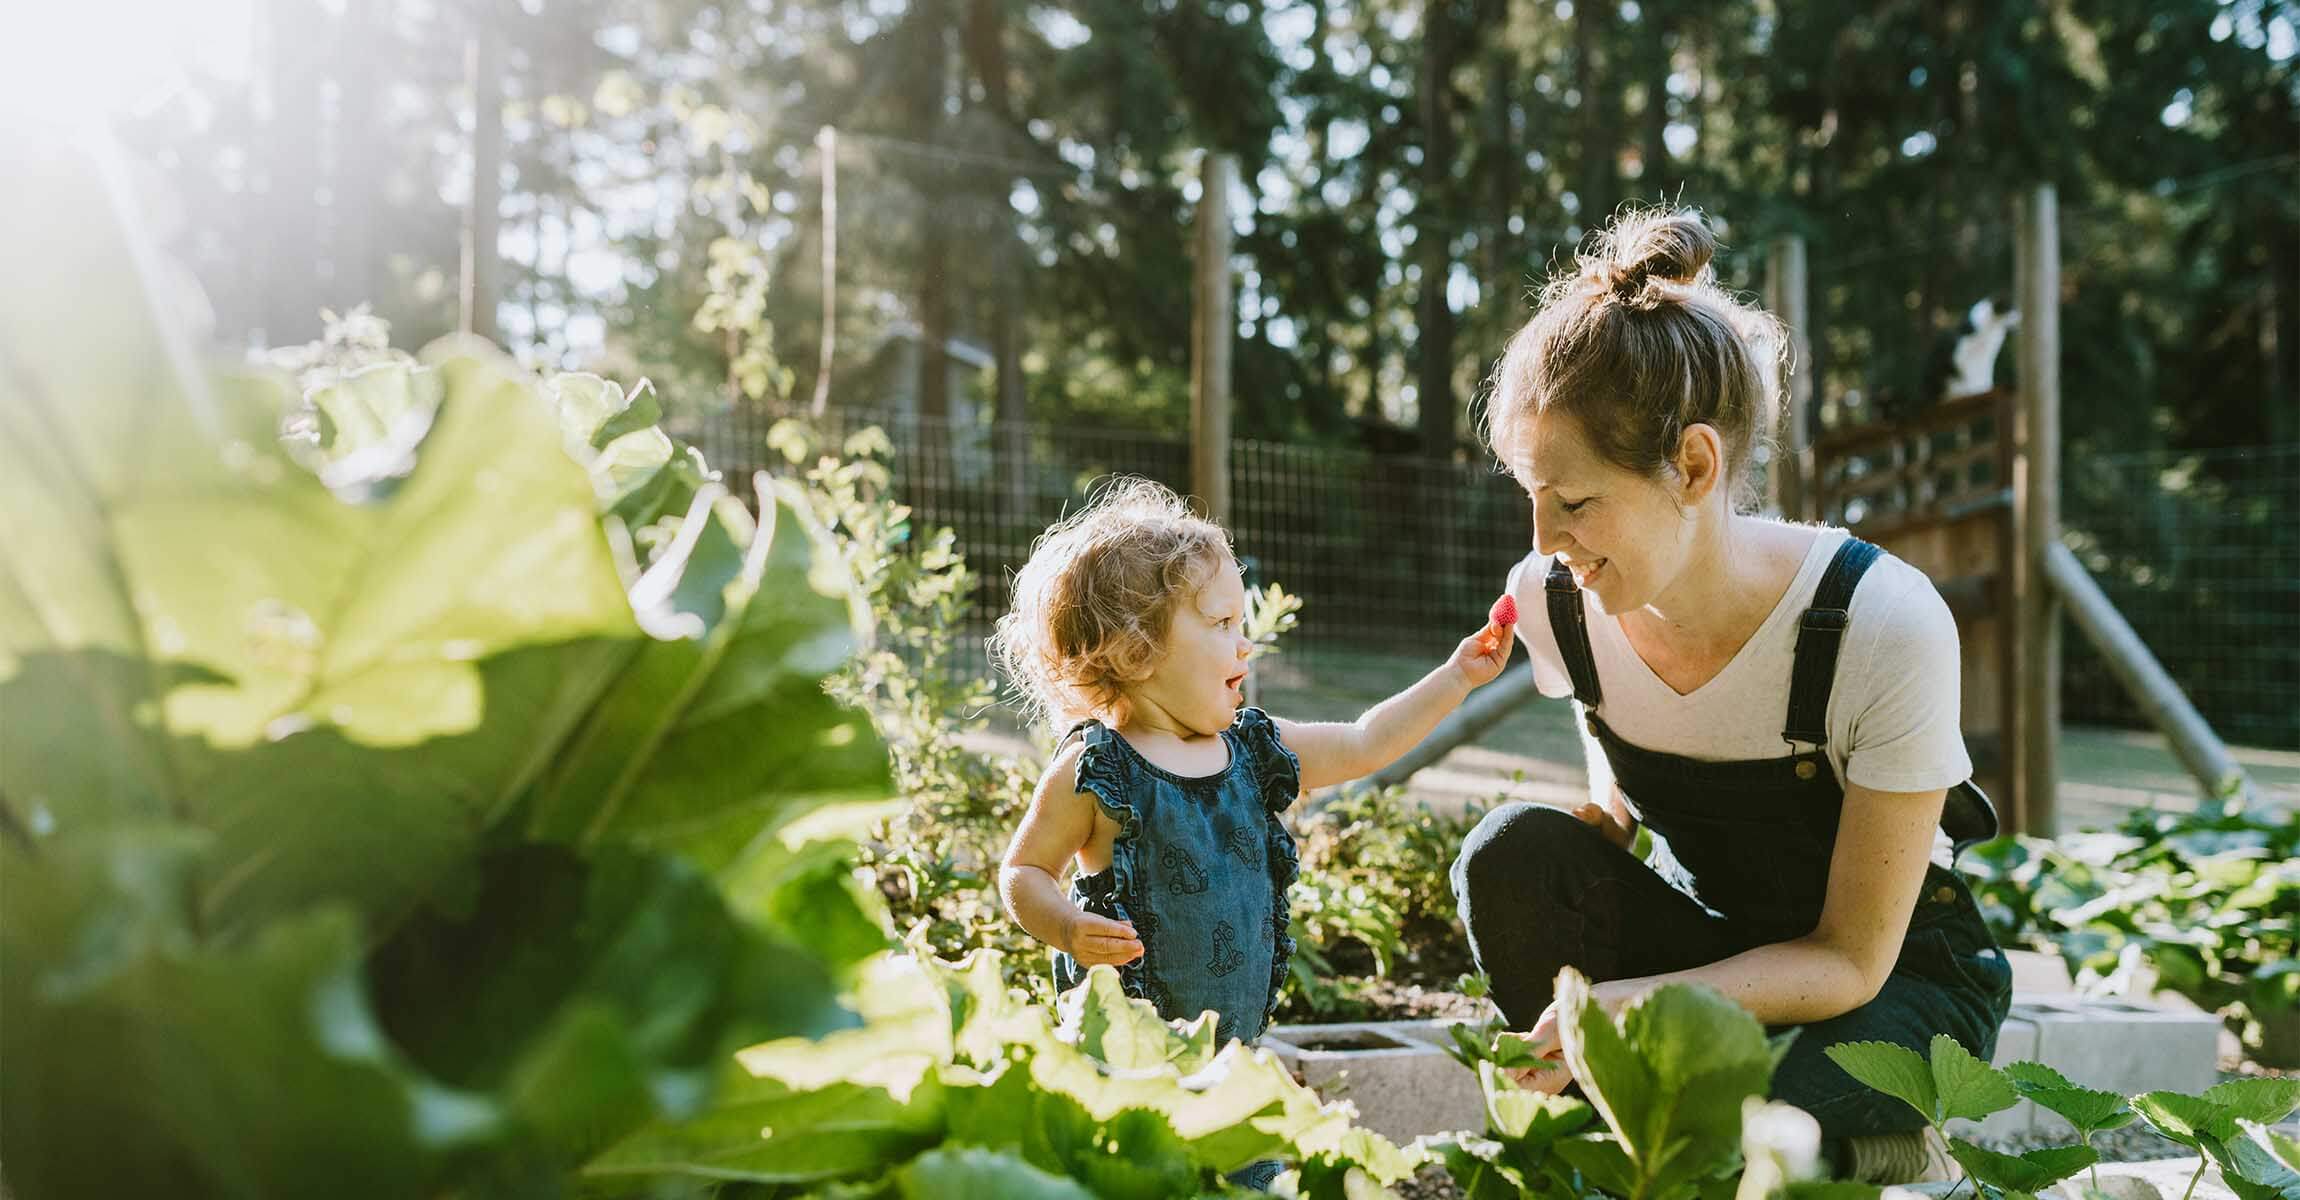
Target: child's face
1196,685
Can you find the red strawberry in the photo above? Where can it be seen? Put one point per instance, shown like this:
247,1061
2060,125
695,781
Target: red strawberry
1504,612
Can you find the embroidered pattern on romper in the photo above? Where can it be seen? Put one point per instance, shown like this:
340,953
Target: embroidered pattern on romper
1184,873
1243,842
1227,956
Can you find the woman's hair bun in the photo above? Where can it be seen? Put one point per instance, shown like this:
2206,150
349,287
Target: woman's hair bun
1673,247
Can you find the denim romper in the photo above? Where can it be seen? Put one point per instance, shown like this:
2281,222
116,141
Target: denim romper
1200,866
1740,859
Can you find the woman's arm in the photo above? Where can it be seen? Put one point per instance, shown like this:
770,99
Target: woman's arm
1337,751
1884,841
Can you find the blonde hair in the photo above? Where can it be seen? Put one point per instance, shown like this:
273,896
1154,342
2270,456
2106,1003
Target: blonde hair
1638,343
1093,604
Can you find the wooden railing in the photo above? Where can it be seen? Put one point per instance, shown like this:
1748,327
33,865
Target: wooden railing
1950,462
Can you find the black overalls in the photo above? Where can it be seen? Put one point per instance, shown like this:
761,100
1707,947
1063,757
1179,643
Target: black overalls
1740,859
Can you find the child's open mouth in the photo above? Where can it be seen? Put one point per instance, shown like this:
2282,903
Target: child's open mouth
1236,682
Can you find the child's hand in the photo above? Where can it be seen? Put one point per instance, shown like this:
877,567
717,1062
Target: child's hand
1096,940
1483,654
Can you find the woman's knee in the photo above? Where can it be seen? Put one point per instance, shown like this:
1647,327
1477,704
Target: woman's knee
1512,852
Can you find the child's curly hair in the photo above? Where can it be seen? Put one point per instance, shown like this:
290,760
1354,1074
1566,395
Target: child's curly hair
1093,604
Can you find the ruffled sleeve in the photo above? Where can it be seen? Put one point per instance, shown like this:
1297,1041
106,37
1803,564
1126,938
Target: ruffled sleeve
1104,772
1276,770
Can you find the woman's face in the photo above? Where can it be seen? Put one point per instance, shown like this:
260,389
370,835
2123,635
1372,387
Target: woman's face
1624,535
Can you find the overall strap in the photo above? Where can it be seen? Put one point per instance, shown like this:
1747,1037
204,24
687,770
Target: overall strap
1818,637
1569,622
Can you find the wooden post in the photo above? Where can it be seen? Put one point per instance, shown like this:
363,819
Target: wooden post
2144,679
1792,468
2036,508
481,264
1211,330
827,145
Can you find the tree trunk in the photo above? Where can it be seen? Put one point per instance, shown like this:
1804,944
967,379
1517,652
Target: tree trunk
1597,184
929,91
986,49
1657,174
292,296
482,268
1436,222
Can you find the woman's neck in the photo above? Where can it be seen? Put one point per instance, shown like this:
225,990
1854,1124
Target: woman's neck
1734,575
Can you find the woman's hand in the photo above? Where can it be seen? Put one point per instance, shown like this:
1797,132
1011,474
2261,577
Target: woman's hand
1094,940
1542,1040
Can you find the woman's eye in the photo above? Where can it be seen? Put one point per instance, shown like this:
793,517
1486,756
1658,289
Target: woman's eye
1574,506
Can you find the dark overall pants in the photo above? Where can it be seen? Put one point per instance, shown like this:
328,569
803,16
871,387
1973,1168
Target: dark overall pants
1740,859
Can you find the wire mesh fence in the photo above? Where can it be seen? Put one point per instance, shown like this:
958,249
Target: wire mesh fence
1390,554
1397,555
2201,553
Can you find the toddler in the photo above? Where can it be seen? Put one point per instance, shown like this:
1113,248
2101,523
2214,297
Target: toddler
1127,633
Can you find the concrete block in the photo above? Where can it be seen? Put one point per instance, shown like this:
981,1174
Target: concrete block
1397,1073
2115,1045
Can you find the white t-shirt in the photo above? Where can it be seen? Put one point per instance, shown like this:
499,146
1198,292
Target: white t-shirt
1892,712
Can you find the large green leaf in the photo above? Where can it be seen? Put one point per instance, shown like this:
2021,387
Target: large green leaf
2088,1109
2031,1172
141,1062
719,728
2189,1120
1969,1089
1671,1080
594,993
762,1132
974,1174
2264,1099
1893,1069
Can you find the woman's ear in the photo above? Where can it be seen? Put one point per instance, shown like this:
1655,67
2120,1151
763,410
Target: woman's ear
1700,463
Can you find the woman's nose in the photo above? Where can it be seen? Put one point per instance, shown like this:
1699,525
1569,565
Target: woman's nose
1548,533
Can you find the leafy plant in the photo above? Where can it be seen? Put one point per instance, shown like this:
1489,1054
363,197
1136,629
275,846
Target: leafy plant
402,807
1671,1079
2209,900
933,856
2226,1125
953,1076
1374,896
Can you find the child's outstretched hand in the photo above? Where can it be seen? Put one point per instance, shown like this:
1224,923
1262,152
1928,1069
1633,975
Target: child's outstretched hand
1096,940
1482,655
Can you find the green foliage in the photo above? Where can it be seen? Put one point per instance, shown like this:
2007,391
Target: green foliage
1374,897
1952,1085
2227,1125
2210,900
934,854
371,795
954,1078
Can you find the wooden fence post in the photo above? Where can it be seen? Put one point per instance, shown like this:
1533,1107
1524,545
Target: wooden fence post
1211,330
1791,471
2036,507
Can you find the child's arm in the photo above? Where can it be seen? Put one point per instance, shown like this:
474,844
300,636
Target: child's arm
1059,823
1337,752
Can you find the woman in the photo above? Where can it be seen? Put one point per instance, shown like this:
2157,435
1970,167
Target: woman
1776,702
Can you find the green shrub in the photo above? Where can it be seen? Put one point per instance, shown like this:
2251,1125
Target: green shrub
2209,900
